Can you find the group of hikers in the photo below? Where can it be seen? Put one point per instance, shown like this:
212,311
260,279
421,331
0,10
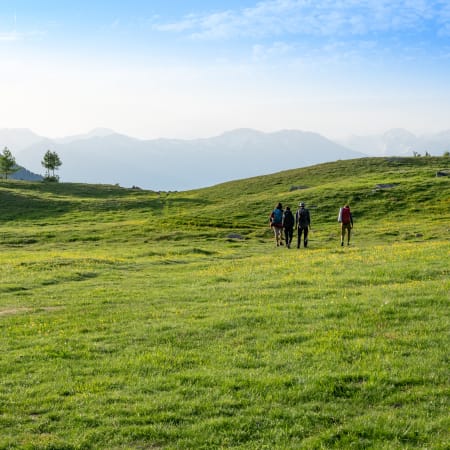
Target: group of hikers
284,221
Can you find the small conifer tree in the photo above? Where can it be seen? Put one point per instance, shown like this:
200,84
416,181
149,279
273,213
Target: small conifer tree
7,163
51,162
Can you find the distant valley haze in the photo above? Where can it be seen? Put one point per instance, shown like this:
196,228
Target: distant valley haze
103,156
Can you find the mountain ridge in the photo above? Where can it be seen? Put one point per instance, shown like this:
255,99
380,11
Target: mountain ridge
107,157
176,164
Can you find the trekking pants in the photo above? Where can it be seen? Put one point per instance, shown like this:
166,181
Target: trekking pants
348,227
289,234
305,236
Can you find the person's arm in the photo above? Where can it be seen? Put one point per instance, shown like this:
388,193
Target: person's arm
351,219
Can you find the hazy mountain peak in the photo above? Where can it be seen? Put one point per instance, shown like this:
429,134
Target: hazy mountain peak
241,132
444,134
398,133
96,132
100,132
17,139
400,142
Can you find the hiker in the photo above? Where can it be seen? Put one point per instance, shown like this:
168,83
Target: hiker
276,223
288,225
303,223
346,219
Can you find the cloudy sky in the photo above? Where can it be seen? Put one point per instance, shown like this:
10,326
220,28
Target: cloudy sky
188,69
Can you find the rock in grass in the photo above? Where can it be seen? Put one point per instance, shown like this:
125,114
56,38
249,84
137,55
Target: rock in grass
235,236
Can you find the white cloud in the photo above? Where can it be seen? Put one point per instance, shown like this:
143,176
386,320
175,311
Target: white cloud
277,49
189,22
16,36
316,18
11,36
444,20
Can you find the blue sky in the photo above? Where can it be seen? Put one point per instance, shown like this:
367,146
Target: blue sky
188,69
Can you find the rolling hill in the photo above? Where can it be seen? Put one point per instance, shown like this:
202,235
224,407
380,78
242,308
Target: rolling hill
377,187
143,319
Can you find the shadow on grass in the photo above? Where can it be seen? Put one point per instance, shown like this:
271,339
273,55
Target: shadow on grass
31,201
16,206
81,190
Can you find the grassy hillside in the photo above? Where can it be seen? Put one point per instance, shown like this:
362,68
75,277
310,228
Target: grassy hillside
132,319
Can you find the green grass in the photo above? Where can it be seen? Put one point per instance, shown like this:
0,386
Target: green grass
131,320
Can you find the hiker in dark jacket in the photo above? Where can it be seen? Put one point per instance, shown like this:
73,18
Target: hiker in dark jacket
288,225
303,223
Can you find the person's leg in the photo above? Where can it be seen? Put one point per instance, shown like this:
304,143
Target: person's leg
275,233
291,235
305,236
342,234
349,228
299,236
280,235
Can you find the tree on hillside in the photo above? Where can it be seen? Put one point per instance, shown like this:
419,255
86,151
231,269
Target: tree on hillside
51,162
7,163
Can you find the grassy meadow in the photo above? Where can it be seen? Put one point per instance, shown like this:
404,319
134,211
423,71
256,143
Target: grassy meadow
133,319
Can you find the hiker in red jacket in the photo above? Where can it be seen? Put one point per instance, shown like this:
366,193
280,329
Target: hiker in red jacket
346,219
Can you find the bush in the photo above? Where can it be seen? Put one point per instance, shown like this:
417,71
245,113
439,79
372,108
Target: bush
51,178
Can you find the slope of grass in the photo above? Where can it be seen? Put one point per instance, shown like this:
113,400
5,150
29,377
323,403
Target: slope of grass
130,319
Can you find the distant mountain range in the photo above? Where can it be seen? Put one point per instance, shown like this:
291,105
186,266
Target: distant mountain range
400,142
104,156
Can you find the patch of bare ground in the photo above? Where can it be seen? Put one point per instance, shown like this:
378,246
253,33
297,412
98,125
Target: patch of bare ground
12,311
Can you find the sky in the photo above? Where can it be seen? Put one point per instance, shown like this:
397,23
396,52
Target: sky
193,69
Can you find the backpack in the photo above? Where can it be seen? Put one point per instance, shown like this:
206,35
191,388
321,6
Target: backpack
346,216
302,218
277,216
288,220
